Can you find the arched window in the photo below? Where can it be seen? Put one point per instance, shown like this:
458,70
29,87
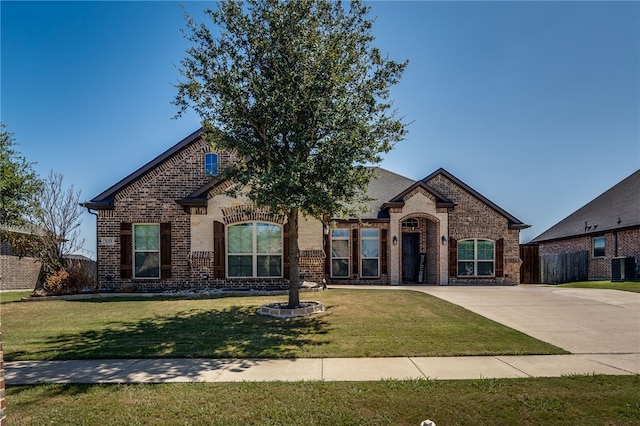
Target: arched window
254,249
476,258
410,223
211,164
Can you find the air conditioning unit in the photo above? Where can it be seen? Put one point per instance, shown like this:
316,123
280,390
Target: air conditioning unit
623,268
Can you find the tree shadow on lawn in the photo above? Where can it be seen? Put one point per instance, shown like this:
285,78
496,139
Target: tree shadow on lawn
233,332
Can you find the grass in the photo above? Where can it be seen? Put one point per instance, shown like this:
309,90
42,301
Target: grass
357,323
13,296
570,400
633,286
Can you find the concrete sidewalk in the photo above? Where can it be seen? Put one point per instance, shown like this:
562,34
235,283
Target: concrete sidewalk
174,370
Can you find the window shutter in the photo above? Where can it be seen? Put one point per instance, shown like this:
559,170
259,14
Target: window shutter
286,271
219,270
355,258
499,256
383,252
165,250
327,255
126,247
453,257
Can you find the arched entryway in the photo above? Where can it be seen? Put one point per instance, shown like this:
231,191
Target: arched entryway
419,250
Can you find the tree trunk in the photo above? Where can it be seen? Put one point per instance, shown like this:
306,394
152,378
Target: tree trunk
294,253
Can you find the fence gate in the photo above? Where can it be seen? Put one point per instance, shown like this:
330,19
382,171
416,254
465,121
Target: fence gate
530,268
564,267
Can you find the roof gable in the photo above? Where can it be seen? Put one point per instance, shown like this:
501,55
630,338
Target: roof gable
105,198
615,209
514,223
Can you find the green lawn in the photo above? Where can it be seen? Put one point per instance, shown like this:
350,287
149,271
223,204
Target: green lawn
13,296
570,400
633,286
357,323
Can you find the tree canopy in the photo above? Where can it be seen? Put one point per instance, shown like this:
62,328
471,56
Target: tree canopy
19,184
300,94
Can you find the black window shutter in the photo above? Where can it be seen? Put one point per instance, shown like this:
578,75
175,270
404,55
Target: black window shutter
286,265
219,270
165,250
453,257
327,255
126,247
355,256
383,252
499,258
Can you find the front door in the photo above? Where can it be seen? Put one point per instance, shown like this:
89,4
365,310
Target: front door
410,257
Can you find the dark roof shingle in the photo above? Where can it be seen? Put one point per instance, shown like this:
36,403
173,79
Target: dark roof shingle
615,209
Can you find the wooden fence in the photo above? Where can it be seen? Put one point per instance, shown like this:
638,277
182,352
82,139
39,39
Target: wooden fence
564,267
530,269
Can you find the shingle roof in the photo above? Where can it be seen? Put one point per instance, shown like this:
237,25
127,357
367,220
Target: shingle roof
616,209
383,187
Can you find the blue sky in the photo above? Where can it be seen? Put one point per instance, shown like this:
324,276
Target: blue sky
534,104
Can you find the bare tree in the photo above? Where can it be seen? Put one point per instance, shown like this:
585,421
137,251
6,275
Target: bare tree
58,220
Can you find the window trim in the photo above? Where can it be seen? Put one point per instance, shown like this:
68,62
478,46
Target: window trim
254,253
475,259
363,257
603,248
347,238
134,251
209,166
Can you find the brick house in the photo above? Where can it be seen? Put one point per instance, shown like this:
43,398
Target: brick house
170,225
607,227
18,271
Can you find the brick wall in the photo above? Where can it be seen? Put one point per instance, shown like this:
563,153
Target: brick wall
151,199
19,273
472,218
617,244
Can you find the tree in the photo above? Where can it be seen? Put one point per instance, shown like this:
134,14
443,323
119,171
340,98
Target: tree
299,93
19,184
58,218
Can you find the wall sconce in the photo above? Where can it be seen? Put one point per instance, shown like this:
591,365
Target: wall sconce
395,240
444,240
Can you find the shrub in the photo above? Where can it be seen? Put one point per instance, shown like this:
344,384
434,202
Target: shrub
68,280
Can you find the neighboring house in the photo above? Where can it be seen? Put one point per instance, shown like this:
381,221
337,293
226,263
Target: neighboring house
18,271
170,225
606,228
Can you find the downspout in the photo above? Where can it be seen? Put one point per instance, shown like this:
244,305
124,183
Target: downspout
95,213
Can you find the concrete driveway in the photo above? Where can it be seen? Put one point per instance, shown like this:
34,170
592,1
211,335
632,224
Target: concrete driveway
581,321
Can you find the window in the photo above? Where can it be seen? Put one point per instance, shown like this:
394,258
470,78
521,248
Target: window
476,258
410,223
598,246
254,249
146,251
370,249
211,164
340,253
